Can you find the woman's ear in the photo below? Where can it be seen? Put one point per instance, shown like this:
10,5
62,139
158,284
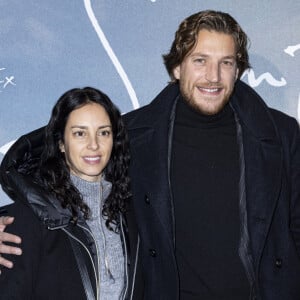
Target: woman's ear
61,146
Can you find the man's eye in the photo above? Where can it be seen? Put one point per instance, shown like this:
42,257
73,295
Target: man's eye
228,63
199,60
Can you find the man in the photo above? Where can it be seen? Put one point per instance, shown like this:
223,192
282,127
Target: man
215,176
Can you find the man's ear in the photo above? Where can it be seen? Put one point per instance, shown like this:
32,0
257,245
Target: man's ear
61,147
237,74
176,72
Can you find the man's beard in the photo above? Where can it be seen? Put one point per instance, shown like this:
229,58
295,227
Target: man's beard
200,108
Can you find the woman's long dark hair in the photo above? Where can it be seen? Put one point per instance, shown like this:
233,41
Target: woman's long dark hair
55,173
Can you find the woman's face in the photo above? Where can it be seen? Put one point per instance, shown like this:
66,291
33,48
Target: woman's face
88,141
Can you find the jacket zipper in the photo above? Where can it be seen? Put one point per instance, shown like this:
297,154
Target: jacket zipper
99,221
97,276
89,254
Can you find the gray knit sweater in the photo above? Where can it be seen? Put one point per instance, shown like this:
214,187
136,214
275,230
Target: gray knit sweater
108,242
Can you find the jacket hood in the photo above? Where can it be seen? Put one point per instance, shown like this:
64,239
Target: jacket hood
20,187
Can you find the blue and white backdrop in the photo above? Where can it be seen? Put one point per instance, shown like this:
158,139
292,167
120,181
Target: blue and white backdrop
48,47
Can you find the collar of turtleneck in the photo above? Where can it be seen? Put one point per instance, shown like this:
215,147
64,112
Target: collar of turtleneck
93,193
188,116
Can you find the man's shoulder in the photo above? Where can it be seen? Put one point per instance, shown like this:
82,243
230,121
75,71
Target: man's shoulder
281,117
160,107
137,117
287,126
136,113
257,116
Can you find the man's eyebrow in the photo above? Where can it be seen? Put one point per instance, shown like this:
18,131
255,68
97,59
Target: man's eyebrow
233,56
199,54
229,57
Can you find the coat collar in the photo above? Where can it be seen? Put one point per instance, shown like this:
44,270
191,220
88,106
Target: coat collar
253,112
249,106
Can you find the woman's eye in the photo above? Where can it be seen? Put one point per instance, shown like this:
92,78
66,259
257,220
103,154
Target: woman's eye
79,133
104,133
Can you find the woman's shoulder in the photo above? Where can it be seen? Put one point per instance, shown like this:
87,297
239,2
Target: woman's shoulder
25,220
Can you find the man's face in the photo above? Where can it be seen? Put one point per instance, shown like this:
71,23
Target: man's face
208,73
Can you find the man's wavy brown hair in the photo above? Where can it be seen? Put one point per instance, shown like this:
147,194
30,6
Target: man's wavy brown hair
187,34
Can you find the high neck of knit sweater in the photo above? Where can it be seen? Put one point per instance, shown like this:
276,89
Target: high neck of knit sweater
188,116
93,193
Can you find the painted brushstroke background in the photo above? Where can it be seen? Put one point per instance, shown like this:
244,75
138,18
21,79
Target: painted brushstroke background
48,47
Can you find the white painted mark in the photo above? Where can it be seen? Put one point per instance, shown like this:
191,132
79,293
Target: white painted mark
292,49
111,54
254,82
5,147
299,108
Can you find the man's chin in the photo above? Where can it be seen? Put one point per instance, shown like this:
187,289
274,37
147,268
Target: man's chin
205,109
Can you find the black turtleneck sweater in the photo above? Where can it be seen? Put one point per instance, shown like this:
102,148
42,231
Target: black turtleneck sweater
204,180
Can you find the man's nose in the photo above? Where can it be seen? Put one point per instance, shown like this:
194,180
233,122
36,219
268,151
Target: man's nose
212,72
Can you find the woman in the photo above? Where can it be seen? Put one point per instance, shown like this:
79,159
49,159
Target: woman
70,203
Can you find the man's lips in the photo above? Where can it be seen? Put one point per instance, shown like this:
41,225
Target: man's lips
215,90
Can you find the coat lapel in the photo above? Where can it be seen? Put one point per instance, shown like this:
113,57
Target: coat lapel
263,182
263,163
149,139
